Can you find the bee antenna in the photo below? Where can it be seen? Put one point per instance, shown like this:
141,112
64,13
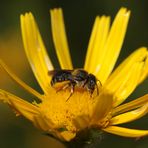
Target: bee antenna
99,82
98,89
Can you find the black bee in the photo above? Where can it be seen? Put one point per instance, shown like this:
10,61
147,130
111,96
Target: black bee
77,77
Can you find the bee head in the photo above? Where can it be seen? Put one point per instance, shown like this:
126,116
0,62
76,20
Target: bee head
91,82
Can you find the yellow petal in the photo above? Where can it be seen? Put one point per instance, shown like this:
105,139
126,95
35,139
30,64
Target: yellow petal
60,39
96,43
131,105
126,77
20,106
125,132
46,125
130,116
35,50
144,74
41,122
106,58
128,86
81,122
91,44
103,106
20,82
67,135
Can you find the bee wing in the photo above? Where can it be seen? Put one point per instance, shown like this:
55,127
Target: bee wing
53,72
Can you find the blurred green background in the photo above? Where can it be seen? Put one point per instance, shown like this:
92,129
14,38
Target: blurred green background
17,132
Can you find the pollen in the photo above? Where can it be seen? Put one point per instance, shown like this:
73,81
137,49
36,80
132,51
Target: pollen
63,113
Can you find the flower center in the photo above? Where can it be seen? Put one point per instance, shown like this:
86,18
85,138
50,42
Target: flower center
63,112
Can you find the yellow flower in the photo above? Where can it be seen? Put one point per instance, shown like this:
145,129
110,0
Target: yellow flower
64,119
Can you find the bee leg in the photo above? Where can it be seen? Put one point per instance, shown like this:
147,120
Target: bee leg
91,93
64,87
97,90
59,90
72,89
99,82
85,82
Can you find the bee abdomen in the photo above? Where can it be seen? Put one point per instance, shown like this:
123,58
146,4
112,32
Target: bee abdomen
61,76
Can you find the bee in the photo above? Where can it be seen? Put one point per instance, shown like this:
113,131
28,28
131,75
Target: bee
75,78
